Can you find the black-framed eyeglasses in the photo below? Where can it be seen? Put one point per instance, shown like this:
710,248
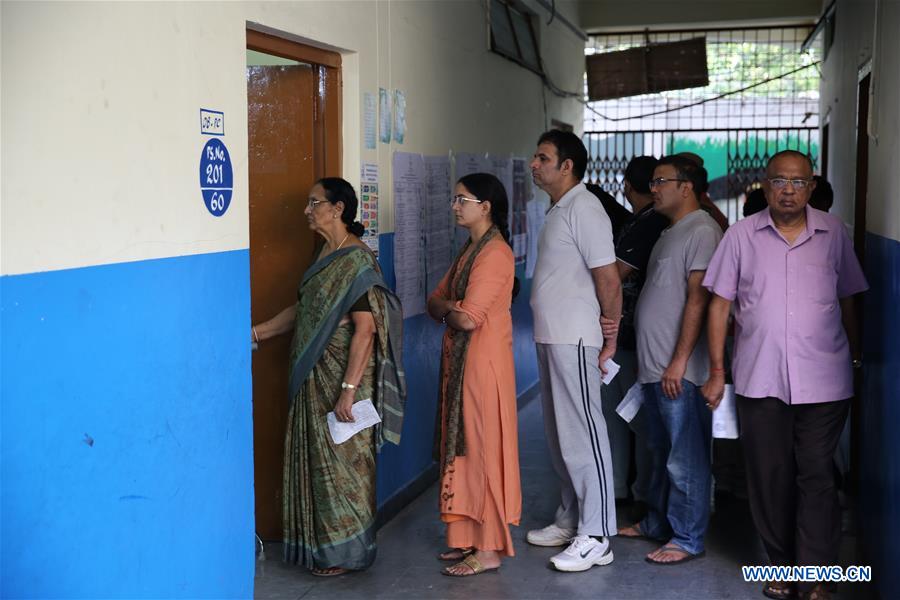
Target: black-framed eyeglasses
661,180
780,183
459,199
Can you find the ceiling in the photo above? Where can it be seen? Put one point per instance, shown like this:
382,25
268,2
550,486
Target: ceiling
596,16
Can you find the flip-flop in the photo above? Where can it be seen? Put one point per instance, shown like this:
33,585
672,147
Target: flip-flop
472,563
686,558
328,572
783,592
639,536
463,552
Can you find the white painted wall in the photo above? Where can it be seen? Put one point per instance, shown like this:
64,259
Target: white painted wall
883,207
861,25
100,111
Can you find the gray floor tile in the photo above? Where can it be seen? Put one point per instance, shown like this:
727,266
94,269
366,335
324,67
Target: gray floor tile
407,567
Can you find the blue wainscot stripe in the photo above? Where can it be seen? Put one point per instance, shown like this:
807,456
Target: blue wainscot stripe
880,419
127,427
127,430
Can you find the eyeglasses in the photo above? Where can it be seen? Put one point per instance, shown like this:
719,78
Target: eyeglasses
459,199
661,180
311,203
780,183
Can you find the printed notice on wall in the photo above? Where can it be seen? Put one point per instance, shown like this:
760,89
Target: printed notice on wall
368,205
536,209
212,122
370,109
438,220
409,194
502,169
385,115
399,116
369,172
518,210
466,164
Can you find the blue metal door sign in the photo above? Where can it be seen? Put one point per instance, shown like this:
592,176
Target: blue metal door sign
216,177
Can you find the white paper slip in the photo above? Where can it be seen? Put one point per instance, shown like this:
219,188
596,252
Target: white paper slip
612,369
631,403
364,415
724,418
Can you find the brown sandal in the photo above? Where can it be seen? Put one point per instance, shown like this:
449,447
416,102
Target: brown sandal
779,590
328,571
472,563
670,547
458,554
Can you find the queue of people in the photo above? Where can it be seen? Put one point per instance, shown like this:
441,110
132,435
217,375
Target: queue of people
656,297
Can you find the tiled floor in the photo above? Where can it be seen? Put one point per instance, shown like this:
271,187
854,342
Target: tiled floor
406,566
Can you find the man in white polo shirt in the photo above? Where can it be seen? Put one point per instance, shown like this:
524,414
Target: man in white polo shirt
575,279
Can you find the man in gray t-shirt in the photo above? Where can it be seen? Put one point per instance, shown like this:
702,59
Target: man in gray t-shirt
673,363
683,249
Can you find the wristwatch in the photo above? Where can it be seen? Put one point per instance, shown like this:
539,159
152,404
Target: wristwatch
347,386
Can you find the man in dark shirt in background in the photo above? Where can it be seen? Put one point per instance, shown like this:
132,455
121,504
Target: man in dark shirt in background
822,196
618,214
634,242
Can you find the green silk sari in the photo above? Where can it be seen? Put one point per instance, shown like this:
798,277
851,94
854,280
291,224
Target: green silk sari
329,489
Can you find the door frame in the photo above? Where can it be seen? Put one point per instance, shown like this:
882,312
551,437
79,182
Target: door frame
326,135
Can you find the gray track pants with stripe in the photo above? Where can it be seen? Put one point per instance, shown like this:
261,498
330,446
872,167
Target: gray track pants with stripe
577,438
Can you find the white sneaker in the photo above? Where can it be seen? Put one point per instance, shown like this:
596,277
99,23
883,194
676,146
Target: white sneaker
583,553
551,535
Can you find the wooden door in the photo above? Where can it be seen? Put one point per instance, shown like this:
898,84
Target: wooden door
291,145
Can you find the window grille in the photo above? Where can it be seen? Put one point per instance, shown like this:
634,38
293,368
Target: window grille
512,35
774,107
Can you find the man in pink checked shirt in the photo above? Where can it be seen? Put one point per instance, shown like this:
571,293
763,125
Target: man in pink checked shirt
792,273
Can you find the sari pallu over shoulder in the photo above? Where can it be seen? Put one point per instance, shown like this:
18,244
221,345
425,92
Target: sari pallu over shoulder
328,290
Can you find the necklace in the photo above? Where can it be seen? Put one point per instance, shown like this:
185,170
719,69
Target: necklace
342,243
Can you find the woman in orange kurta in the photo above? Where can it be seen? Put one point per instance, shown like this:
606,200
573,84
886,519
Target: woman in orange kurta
480,491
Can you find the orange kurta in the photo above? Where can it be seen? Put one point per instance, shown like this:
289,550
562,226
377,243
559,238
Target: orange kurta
480,492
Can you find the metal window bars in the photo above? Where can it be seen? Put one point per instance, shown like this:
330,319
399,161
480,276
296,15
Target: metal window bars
735,134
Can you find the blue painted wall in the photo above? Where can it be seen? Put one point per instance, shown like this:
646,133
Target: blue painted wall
127,426
127,431
880,468
400,466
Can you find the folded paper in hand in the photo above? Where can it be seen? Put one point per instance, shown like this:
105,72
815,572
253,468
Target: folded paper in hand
631,403
724,418
364,415
612,369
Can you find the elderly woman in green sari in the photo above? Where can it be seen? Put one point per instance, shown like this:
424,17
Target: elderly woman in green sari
346,348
